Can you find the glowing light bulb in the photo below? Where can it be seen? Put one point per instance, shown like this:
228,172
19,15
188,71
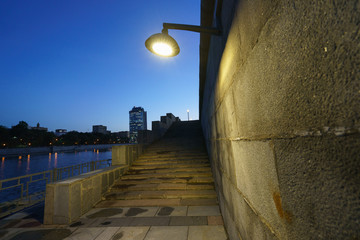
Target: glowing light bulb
162,49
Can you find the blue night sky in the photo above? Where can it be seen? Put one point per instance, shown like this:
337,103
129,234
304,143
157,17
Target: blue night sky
71,64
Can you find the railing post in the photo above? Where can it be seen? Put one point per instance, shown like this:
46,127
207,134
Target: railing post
92,166
54,175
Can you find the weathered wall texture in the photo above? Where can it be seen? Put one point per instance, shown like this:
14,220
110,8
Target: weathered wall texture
281,116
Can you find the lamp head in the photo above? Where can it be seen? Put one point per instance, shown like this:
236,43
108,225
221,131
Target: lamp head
162,44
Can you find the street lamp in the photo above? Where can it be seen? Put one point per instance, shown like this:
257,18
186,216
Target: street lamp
164,45
188,114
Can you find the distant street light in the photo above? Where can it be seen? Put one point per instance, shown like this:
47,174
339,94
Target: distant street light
188,114
164,45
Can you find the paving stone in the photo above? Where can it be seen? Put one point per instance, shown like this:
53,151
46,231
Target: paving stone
133,233
167,233
207,232
172,211
108,233
203,211
32,234
106,212
141,212
82,222
188,221
85,234
111,222
150,221
215,220
92,211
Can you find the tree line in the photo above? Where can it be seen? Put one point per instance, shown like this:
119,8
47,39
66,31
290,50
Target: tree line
21,135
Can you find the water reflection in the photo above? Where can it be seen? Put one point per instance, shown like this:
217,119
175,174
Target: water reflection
43,162
56,159
19,162
28,164
2,165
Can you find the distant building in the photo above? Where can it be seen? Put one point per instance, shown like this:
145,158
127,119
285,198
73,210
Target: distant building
100,129
123,134
137,121
159,128
39,128
59,132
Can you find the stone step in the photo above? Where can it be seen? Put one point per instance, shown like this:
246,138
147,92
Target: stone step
179,154
166,166
187,175
181,194
174,153
157,202
196,180
172,159
177,161
169,170
161,186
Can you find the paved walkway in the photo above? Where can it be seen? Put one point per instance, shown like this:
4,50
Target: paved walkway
168,193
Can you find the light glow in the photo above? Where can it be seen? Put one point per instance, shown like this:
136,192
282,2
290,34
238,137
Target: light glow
162,49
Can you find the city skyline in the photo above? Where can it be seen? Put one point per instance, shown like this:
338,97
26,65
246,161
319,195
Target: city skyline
72,65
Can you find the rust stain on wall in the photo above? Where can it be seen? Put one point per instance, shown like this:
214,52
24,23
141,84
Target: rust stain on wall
282,213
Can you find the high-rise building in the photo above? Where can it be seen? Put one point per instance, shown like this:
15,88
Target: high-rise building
137,121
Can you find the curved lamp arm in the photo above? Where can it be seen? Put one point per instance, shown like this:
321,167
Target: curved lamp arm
192,28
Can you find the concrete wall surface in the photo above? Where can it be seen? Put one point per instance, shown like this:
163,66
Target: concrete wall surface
67,200
126,154
281,117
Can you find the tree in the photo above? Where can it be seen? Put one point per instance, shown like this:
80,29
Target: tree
4,136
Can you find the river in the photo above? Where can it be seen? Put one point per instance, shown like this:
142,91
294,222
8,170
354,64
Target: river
14,166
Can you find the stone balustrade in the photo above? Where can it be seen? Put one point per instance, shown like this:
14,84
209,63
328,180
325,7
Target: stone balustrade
68,199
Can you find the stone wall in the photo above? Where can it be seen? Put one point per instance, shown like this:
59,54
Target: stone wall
280,114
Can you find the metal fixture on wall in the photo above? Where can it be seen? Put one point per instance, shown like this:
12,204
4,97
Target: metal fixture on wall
164,45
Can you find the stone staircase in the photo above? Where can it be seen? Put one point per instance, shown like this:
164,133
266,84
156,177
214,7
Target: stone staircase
174,171
168,193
